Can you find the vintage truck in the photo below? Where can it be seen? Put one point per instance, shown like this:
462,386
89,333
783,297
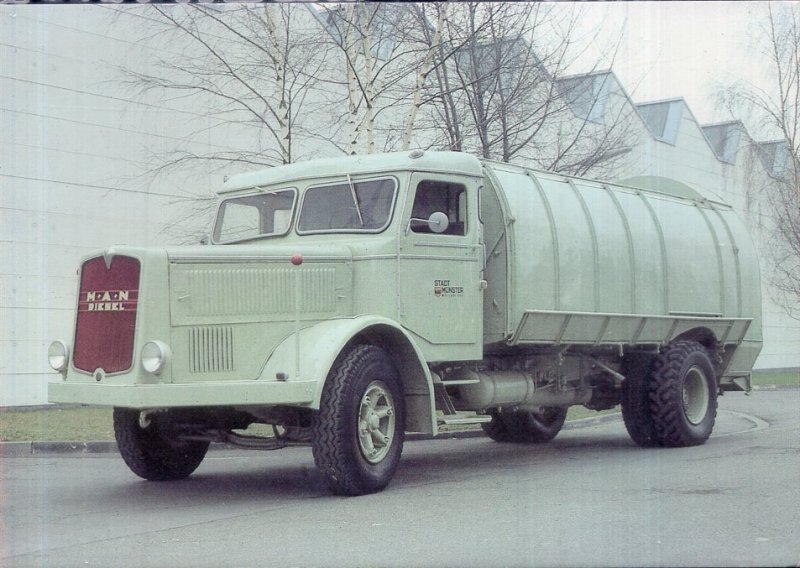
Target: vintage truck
347,301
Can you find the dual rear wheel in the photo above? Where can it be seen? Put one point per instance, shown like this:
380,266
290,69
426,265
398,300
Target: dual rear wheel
667,400
670,399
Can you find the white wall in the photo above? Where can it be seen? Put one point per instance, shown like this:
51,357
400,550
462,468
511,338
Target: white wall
71,156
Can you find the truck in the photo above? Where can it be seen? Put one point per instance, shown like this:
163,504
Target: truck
343,303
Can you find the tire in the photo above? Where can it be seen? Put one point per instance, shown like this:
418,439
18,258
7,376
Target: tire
635,399
496,429
358,431
525,426
151,452
683,395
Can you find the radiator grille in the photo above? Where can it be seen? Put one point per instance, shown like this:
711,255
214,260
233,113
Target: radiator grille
211,349
106,322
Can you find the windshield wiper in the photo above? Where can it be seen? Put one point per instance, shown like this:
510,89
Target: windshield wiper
355,200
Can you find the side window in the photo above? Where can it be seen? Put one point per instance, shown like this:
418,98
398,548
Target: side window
253,216
440,197
241,221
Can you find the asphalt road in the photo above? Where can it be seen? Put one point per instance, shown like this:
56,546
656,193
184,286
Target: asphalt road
588,498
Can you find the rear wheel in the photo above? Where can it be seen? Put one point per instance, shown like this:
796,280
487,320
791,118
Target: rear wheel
683,395
357,434
635,399
151,450
523,426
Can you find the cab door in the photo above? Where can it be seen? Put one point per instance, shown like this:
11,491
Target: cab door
440,263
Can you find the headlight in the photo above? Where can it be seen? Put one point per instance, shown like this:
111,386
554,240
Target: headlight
154,356
58,355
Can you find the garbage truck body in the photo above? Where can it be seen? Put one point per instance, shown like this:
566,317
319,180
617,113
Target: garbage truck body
344,302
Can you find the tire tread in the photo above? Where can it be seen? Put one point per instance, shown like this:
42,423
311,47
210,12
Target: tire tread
333,443
665,396
149,454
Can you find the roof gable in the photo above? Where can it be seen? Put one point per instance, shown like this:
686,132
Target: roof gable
663,118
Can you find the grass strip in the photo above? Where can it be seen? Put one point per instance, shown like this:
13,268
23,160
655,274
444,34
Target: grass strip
56,424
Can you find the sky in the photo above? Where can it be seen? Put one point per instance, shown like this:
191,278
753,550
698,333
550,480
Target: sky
683,49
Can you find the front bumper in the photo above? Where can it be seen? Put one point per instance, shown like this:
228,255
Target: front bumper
228,393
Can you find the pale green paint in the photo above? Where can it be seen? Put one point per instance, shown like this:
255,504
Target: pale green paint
321,344
228,393
578,246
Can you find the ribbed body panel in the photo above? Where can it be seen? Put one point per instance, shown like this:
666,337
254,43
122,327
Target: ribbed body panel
211,349
246,293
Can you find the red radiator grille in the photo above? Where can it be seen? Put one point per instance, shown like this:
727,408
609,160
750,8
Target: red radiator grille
106,324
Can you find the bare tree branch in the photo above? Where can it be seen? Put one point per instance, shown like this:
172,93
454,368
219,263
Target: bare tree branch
777,106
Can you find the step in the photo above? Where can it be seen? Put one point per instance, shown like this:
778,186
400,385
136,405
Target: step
454,419
456,382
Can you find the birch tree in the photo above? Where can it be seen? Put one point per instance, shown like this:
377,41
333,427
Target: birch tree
499,89
386,61
251,67
433,49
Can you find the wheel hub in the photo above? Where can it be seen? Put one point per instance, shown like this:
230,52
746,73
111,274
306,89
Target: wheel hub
376,422
695,395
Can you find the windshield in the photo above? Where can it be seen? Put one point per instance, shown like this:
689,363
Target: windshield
253,216
352,206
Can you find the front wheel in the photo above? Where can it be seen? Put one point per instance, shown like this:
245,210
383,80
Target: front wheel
151,450
357,433
523,426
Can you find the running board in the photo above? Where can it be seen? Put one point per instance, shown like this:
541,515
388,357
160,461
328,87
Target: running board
464,418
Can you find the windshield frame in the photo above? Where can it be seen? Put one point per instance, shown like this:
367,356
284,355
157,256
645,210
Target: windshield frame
257,192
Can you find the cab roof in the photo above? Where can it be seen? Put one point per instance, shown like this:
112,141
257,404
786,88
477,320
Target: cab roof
416,160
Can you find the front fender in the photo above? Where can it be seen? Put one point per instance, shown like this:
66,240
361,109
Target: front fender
319,346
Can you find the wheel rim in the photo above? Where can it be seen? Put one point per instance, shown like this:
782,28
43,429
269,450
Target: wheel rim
695,395
376,422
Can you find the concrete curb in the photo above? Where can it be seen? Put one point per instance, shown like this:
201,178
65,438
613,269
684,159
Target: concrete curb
32,449
22,449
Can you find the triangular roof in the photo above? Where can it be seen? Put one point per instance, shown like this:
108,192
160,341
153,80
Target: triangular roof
587,93
725,138
774,155
663,118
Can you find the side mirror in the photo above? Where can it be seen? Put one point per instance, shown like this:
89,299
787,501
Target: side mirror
438,222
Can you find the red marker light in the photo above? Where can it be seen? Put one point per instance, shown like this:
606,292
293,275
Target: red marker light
297,259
